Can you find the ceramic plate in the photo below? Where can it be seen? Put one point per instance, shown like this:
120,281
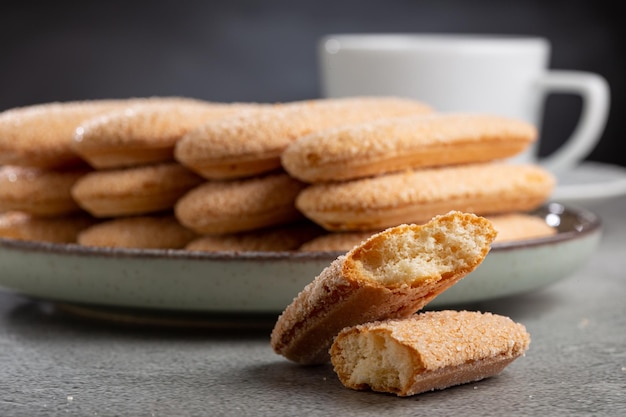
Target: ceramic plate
177,280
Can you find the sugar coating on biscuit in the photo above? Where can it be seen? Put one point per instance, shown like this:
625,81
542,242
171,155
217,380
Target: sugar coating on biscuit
415,196
265,133
142,232
424,186
135,190
432,350
276,126
38,191
59,229
41,135
406,142
124,137
218,207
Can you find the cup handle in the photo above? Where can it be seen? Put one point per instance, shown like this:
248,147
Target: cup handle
595,94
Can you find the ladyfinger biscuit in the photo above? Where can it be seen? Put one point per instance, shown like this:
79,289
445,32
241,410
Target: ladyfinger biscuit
39,192
251,144
62,229
41,135
145,133
429,351
393,274
140,232
279,238
396,144
222,207
133,191
520,226
415,196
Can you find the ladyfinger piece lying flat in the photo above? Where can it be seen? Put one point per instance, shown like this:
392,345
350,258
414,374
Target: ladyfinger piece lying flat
252,144
396,144
59,229
416,196
41,135
156,232
39,192
429,351
144,133
135,190
393,274
223,207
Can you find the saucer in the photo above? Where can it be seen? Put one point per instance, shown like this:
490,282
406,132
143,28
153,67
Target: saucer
590,182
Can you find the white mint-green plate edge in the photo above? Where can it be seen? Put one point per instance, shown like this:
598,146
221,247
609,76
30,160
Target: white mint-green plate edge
259,282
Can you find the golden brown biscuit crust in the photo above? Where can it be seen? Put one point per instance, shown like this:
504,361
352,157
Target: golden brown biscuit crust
396,144
37,191
251,144
62,229
145,133
428,351
416,196
221,207
41,135
142,232
133,191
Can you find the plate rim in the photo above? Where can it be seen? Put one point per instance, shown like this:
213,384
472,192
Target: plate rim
591,224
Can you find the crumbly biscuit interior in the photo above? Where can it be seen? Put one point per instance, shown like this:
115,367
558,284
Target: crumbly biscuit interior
429,251
379,361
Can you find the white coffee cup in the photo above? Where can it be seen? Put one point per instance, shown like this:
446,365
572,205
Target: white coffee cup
497,74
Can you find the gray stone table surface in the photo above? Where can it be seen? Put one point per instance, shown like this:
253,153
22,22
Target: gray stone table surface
53,363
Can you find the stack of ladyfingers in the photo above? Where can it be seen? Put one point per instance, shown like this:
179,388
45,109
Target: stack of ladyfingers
375,175
111,161
38,170
175,172
246,189
135,180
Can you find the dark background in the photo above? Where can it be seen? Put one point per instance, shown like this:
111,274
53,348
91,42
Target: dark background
244,50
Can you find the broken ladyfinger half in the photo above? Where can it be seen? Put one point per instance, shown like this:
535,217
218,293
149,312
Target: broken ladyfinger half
429,351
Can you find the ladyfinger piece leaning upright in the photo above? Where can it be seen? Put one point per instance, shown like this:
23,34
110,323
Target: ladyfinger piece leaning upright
393,274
